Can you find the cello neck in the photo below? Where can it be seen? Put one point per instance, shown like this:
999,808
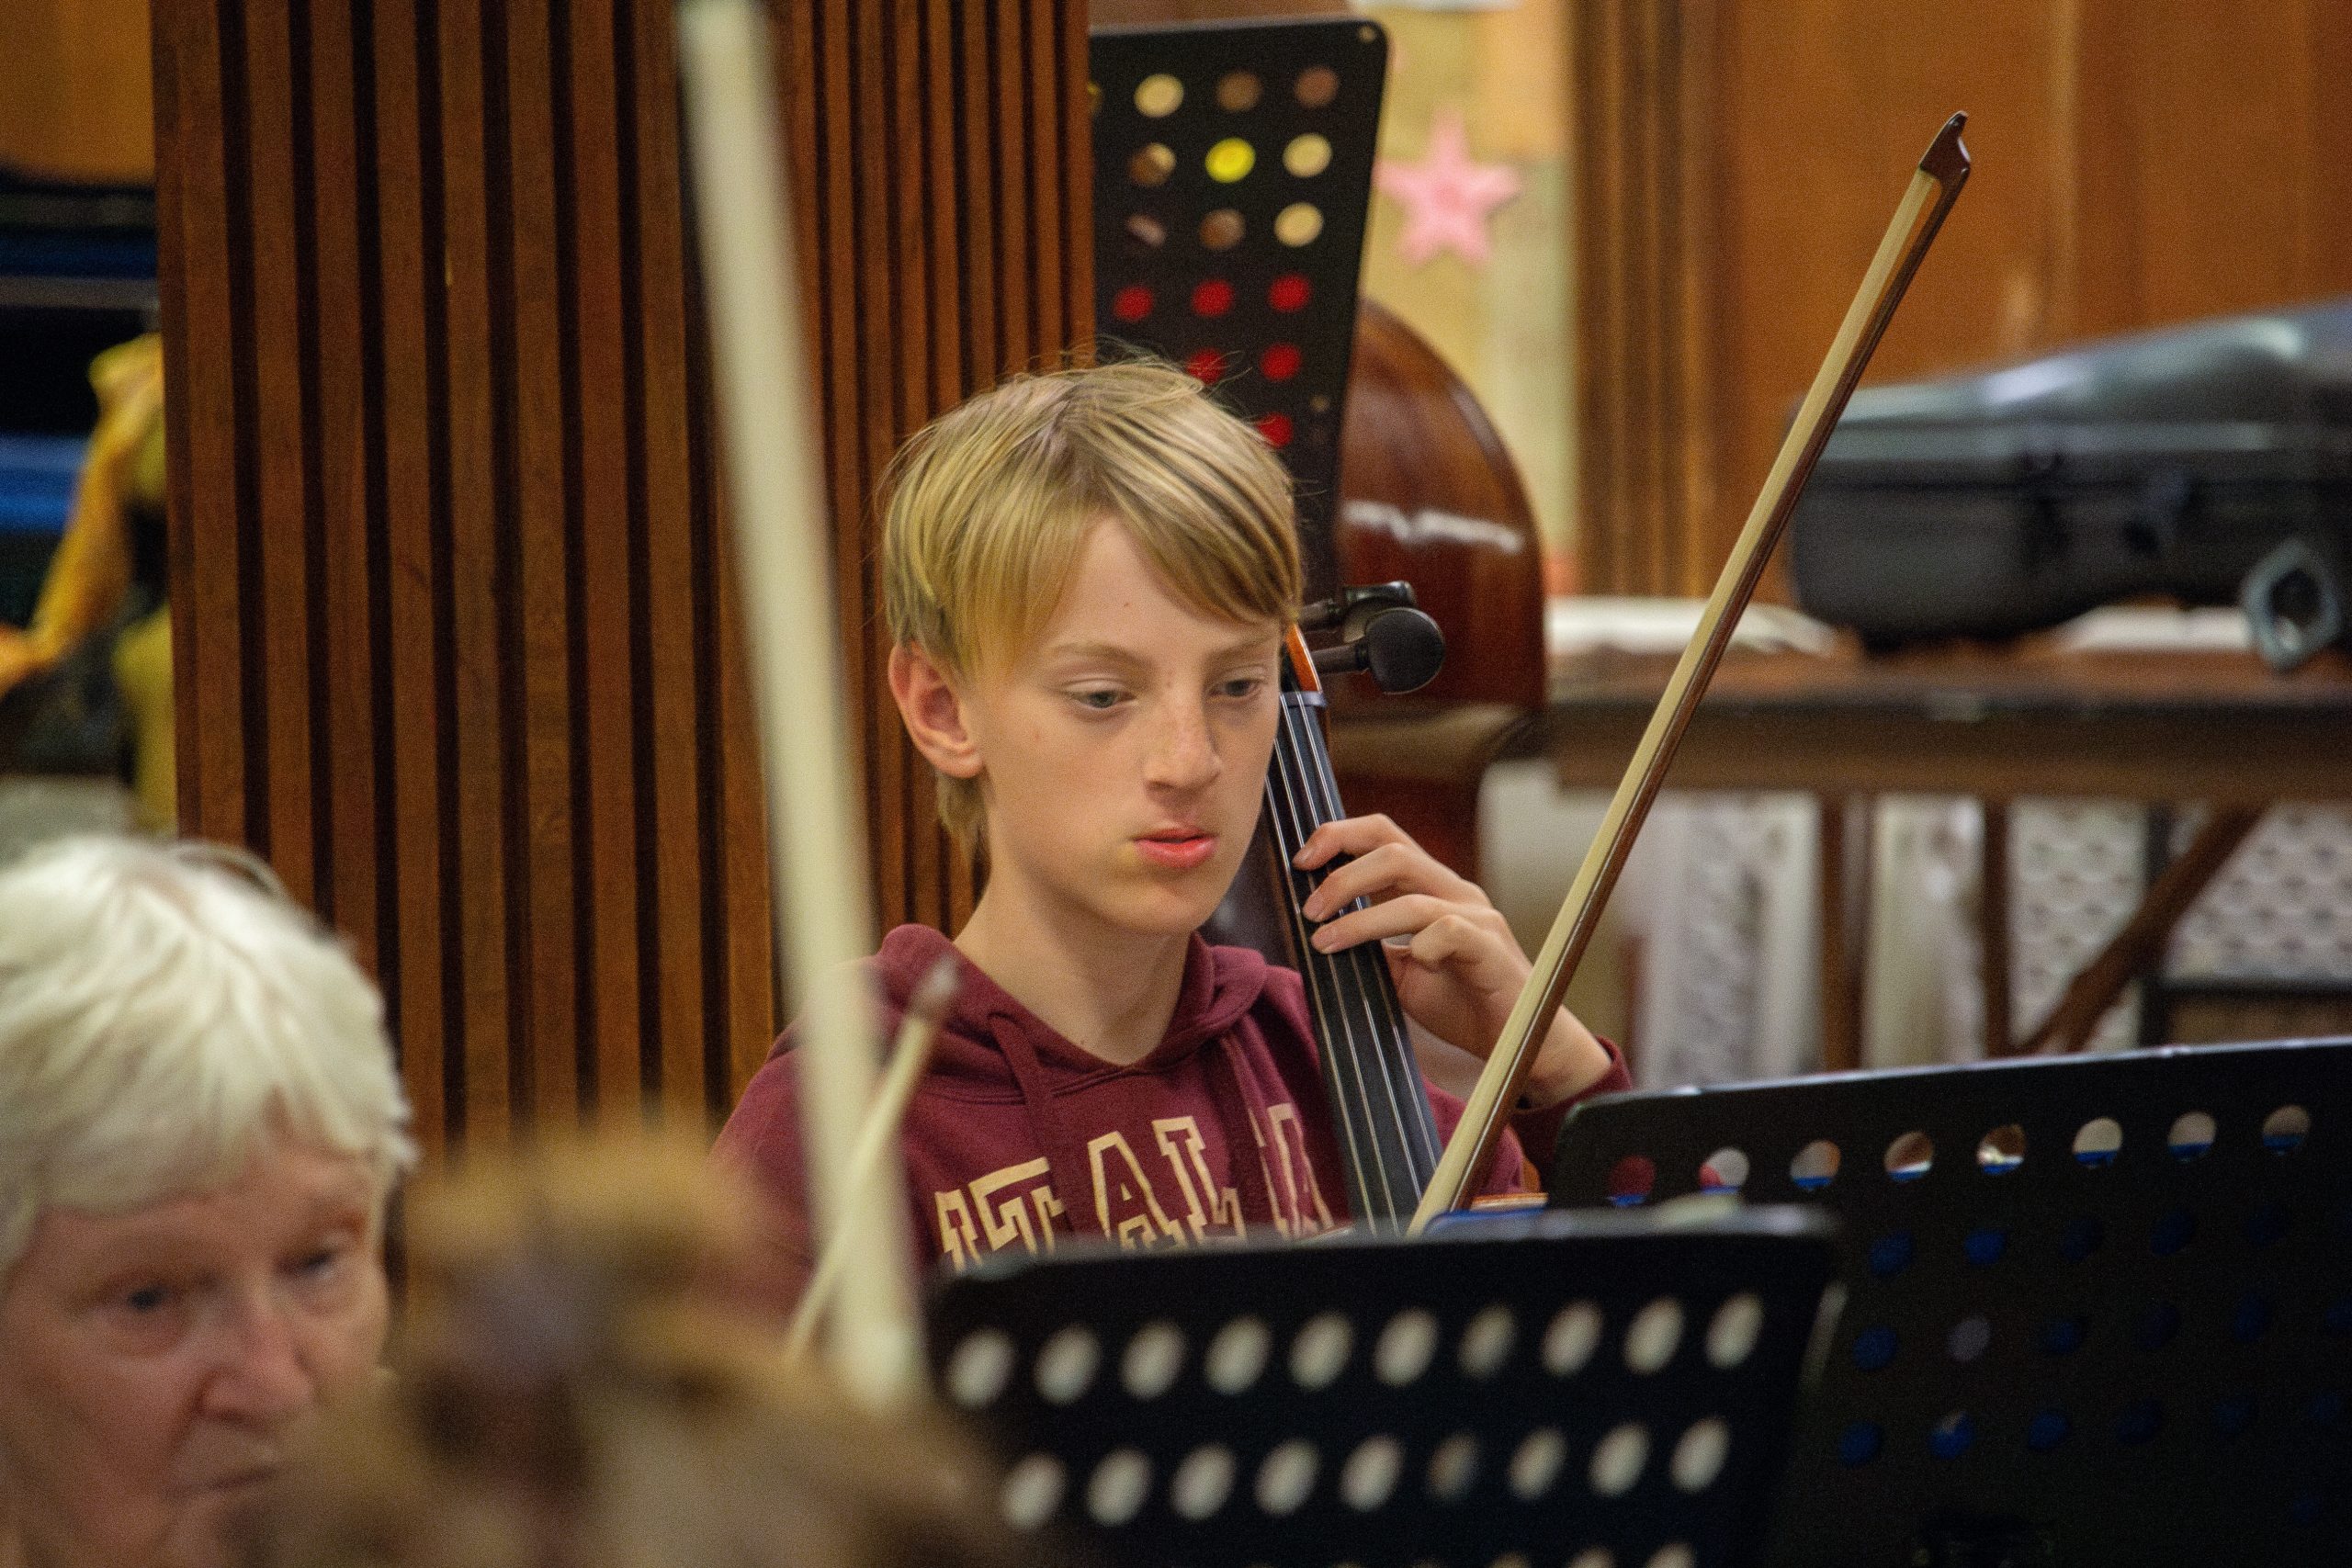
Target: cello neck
1388,1135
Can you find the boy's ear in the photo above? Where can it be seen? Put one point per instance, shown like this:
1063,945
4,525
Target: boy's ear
933,711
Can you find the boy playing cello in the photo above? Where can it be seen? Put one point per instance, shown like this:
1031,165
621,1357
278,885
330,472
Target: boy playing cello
1087,577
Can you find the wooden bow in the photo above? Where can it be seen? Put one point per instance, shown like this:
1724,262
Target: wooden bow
1932,191
816,841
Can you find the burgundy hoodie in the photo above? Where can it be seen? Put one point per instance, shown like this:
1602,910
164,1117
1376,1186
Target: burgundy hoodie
1016,1137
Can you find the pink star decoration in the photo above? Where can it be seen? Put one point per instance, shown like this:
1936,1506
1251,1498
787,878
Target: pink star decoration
1446,196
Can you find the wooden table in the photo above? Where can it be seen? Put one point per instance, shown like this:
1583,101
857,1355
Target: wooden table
2037,719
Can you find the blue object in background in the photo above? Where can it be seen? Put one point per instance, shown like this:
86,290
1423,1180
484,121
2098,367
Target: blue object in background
37,477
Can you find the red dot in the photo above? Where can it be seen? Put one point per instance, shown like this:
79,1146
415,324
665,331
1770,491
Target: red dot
1214,298
1279,362
1206,365
1275,428
1290,292
1132,303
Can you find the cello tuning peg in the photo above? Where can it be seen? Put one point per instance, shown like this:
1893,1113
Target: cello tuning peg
1402,648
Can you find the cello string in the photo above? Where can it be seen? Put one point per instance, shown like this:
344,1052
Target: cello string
1355,1011
1292,812
1400,1071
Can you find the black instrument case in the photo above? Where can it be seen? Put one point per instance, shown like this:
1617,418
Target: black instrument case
2206,463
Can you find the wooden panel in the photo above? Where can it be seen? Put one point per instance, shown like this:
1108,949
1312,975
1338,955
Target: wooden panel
75,102
2136,163
459,645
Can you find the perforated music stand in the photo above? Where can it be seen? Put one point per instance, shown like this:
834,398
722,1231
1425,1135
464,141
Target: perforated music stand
1528,1392
2098,1309
1232,175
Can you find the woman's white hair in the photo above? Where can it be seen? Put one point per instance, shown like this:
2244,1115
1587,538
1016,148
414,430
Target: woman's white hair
165,1011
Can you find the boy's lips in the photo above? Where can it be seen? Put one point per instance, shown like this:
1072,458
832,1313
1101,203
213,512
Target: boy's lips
1178,849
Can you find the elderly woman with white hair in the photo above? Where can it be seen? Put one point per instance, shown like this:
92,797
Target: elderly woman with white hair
200,1127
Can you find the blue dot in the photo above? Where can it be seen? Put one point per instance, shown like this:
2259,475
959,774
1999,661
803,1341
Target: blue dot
2095,1159
2048,1430
2326,1408
2063,1335
1891,1253
2306,1508
2139,1422
2173,1232
1985,1244
1812,1183
2157,1325
2233,1414
1873,1348
2252,1320
1626,1200
1952,1436
2082,1238
1860,1443
2339,1316
2266,1224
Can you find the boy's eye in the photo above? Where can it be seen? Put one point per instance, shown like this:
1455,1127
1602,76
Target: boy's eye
1100,699
146,1300
1241,687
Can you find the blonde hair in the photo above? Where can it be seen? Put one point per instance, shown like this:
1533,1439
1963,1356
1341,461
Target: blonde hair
575,1391
986,509
164,1011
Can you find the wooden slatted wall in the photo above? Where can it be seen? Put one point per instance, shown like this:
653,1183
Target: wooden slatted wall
452,621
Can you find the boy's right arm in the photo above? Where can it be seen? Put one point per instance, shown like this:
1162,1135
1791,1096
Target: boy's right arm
762,1139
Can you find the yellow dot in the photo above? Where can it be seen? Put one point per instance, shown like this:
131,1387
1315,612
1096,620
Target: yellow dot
1158,96
1151,166
1307,156
1298,223
1237,91
1094,97
1221,229
1231,160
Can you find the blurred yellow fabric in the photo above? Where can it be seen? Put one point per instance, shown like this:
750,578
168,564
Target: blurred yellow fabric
90,574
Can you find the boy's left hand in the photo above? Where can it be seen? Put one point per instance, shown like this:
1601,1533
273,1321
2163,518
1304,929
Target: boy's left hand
1457,966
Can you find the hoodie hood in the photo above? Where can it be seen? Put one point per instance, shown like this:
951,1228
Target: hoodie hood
1220,986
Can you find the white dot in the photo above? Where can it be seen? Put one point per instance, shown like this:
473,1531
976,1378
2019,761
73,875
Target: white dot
1066,1366
1238,1355
1732,1337
1454,1468
1618,1461
1593,1557
1203,1482
1512,1560
1119,1485
1674,1555
1286,1477
980,1368
1537,1463
1657,1330
1321,1350
1405,1347
1698,1456
1155,1356
1370,1474
1486,1344
1570,1343
1032,1490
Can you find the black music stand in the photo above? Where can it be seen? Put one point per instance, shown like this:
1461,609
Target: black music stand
1232,176
1533,1392
2098,1309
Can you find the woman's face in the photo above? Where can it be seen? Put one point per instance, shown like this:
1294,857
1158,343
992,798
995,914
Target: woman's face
154,1363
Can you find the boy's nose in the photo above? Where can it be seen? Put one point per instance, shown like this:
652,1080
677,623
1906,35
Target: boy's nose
1183,754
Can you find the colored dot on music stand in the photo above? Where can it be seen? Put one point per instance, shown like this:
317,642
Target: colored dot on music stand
1231,160
1205,365
1275,428
1280,361
1298,223
1132,303
1291,291
1214,298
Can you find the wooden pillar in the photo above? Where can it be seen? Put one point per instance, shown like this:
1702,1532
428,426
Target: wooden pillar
457,649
